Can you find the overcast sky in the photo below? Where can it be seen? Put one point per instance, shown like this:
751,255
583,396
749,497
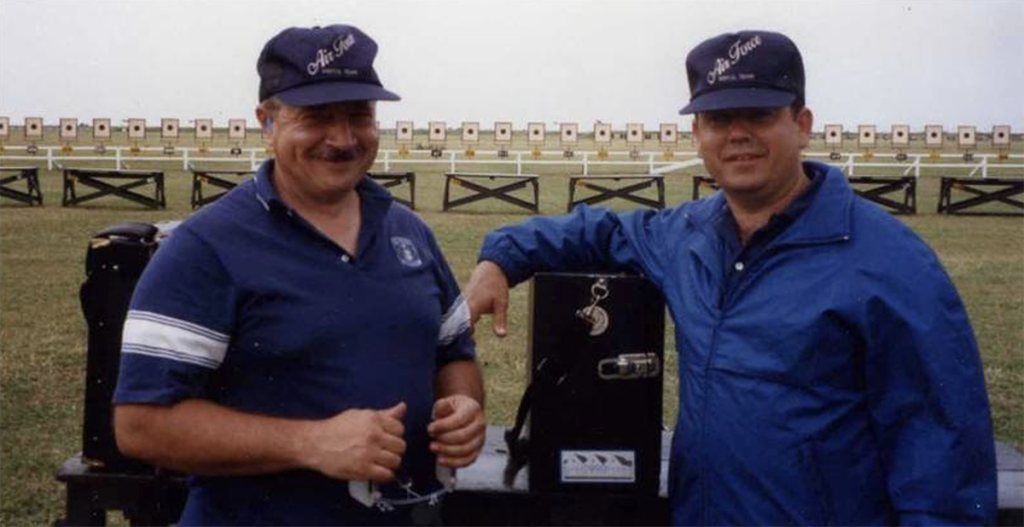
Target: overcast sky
868,62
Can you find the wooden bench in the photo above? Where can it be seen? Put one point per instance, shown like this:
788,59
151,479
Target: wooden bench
629,192
469,181
213,178
102,181
396,179
30,175
480,496
984,191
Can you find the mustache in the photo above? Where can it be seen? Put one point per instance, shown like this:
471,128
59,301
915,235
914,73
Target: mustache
338,154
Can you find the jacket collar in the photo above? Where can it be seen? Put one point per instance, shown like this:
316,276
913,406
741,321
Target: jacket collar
828,218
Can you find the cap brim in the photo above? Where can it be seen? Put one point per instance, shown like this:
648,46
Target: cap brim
332,92
732,98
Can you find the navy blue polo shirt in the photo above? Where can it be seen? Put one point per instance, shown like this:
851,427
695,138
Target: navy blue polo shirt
248,305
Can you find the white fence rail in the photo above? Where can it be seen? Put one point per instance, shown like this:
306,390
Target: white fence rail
654,161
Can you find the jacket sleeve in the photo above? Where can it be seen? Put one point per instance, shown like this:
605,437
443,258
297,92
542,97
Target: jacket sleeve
927,396
587,240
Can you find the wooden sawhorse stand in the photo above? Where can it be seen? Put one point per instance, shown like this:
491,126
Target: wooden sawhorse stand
395,179
95,179
503,192
876,189
988,190
700,182
628,192
213,178
30,175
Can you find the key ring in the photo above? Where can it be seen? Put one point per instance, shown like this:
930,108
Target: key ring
594,314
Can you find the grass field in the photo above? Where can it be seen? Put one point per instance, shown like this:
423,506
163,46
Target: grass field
43,334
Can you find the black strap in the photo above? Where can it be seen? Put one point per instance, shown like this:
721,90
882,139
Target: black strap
546,373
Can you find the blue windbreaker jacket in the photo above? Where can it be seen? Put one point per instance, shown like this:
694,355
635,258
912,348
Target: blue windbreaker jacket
836,380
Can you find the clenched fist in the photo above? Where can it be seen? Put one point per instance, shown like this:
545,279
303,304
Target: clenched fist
458,429
357,444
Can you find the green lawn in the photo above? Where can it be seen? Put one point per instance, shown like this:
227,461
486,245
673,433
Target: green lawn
43,334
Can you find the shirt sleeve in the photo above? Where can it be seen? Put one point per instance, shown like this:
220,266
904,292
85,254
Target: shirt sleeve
590,239
178,326
454,341
927,396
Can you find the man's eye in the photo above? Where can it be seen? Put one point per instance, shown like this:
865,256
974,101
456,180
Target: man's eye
315,117
762,115
719,119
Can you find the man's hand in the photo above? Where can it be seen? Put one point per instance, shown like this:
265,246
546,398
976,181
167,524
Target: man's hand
357,444
487,292
458,428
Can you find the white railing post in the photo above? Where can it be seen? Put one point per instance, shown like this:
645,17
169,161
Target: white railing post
519,163
117,158
586,163
451,157
387,161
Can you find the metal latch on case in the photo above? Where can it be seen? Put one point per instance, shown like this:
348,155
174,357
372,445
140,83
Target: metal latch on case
629,366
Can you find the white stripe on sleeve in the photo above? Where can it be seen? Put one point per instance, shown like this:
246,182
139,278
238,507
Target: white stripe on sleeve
454,323
157,335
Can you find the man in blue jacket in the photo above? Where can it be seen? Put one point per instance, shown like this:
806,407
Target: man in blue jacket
828,372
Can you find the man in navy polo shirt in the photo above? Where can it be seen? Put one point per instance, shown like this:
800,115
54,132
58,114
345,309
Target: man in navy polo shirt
828,374
300,345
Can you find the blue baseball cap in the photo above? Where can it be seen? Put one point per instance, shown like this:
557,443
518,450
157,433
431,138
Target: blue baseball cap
748,69
320,65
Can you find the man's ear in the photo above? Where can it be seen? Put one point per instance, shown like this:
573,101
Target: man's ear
804,121
263,116
693,132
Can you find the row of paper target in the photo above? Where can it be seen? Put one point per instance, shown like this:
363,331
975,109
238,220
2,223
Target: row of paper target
536,133
136,128
933,135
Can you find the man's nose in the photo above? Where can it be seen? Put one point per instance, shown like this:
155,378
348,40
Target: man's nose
739,130
340,132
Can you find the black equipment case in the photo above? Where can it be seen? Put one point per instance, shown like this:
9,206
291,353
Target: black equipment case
115,260
595,395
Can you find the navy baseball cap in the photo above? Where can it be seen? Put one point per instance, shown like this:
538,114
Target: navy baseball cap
749,69
320,65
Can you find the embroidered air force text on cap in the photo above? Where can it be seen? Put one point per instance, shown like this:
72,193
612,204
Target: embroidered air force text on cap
749,69
320,65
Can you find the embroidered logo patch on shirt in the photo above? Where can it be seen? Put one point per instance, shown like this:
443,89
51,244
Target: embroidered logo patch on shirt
406,251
